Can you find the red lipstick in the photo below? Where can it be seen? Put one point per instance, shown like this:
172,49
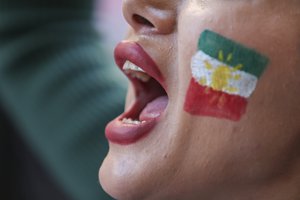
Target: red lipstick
151,98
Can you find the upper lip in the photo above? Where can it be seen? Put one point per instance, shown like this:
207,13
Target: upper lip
133,52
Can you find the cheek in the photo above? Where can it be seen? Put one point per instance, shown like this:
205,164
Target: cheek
224,76
187,46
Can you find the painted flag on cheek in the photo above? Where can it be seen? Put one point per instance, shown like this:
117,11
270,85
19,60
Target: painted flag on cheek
224,75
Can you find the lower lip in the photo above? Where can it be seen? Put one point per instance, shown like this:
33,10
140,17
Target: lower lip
121,133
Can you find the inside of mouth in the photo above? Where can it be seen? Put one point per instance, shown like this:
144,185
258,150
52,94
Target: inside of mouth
151,101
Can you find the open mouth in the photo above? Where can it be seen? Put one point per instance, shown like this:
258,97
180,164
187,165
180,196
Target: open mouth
151,98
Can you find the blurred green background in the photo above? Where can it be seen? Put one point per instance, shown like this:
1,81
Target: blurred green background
58,89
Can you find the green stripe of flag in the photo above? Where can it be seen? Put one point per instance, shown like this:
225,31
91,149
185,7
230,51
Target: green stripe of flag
232,53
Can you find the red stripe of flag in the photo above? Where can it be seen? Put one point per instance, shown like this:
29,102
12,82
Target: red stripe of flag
202,100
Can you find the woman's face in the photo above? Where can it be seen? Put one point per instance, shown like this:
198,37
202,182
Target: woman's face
196,156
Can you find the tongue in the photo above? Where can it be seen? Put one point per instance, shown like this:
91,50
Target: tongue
154,108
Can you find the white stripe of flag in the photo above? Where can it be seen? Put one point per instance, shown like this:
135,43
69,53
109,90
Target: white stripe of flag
222,77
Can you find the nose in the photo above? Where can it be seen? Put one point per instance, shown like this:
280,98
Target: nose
150,16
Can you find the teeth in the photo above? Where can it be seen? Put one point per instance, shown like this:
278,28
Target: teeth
131,121
135,71
130,66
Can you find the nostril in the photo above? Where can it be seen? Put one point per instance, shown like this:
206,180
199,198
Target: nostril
142,21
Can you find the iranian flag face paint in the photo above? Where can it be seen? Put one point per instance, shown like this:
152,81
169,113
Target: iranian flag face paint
224,75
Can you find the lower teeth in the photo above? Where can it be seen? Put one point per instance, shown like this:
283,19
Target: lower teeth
130,121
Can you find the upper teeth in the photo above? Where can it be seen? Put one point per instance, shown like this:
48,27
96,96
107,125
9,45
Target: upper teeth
135,71
130,66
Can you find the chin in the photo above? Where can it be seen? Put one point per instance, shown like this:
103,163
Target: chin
113,182
145,170
116,187
122,182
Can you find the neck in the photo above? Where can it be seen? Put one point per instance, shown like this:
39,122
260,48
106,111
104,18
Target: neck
284,186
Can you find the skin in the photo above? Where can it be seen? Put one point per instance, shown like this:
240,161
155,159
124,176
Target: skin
198,157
